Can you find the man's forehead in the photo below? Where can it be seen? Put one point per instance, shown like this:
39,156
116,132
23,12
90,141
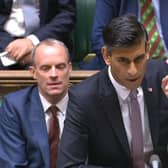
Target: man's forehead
44,47
57,51
131,58
134,50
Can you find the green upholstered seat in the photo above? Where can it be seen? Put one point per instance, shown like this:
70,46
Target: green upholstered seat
82,32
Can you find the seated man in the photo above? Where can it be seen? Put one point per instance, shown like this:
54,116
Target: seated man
31,120
23,24
118,118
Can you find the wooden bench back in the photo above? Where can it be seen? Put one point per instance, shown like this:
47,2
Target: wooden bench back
14,80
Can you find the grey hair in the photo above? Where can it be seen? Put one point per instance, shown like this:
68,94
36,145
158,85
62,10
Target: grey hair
50,42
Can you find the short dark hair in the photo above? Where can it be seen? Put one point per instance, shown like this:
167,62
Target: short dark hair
124,31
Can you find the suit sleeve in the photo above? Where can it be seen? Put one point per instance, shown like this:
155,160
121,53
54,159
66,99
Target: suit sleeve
57,22
73,150
105,11
155,72
62,22
163,140
12,144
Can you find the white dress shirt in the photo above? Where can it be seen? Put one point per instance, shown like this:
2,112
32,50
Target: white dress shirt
123,96
61,105
24,19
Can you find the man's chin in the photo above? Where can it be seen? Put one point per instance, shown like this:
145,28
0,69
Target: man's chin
133,85
55,93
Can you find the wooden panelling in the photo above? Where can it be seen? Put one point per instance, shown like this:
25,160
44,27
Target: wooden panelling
14,80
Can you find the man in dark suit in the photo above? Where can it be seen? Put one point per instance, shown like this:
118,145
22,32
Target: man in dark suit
41,19
106,10
25,118
97,131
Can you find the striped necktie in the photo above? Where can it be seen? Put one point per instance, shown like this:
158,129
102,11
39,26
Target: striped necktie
149,21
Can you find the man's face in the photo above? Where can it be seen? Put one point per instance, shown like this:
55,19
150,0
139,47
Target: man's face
52,69
128,65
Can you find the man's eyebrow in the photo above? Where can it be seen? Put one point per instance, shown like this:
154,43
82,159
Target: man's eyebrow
141,55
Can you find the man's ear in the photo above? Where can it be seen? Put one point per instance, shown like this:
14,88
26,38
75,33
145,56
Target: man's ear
70,67
106,55
32,70
147,50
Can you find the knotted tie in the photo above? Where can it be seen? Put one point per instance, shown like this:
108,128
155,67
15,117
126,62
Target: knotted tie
53,135
149,21
136,130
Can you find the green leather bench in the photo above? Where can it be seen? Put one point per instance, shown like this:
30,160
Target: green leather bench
83,28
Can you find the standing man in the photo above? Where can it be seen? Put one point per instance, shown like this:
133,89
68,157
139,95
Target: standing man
118,118
28,134
151,10
24,23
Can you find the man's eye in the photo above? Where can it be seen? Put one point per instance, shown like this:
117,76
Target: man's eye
123,60
61,66
140,58
45,68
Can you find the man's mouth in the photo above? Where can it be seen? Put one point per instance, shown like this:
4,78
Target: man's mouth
133,79
54,83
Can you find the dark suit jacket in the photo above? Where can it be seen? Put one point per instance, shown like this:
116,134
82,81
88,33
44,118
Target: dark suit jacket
57,18
23,132
94,130
106,10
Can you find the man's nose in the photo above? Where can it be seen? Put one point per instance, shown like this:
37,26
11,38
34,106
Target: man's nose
53,72
132,69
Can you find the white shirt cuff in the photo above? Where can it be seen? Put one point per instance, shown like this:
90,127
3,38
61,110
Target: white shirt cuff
34,39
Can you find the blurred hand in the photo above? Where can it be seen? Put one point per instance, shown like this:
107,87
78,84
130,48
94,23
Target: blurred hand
20,50
165,85
26,60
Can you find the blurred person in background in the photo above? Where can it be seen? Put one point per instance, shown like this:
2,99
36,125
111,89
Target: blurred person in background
24,23
151,13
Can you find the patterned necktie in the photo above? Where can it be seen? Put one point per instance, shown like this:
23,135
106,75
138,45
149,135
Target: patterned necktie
136,130
53,135
149,21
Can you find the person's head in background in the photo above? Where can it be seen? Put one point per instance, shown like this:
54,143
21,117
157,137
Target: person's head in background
126,50
51,67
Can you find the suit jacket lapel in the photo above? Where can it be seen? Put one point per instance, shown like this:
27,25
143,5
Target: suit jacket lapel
38,124
111,107
152,107
164,25
129,6
43,11
5,8
7,4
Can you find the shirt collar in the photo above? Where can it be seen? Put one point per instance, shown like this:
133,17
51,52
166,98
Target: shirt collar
121,90
62,104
